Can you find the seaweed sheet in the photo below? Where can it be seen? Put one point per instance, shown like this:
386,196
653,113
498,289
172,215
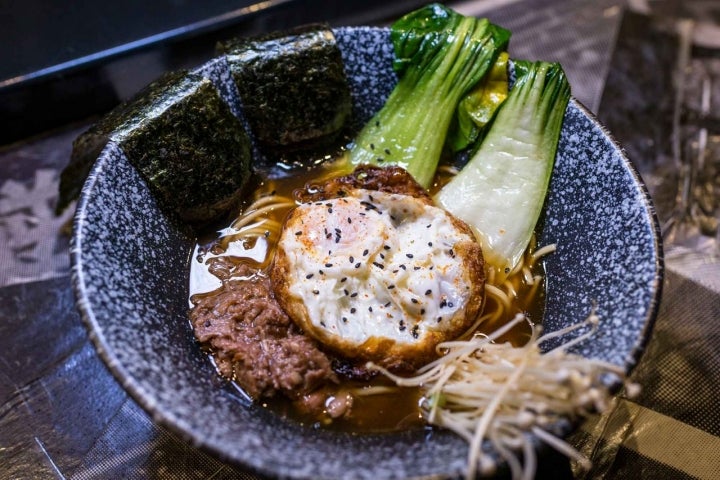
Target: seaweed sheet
293,86
184,140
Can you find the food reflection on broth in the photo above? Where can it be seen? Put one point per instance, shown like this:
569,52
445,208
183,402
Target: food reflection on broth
350,397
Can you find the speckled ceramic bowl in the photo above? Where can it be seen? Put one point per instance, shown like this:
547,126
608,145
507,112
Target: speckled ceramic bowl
130,267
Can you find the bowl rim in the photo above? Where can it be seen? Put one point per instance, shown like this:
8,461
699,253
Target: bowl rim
178,426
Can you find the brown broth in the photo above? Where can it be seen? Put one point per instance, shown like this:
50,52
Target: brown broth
385,412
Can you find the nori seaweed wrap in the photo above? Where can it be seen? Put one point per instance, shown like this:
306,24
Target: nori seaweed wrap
293,86
182,137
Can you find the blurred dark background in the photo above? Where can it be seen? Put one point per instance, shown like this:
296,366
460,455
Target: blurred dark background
64,61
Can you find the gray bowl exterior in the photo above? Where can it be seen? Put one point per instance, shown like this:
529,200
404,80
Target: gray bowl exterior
130,275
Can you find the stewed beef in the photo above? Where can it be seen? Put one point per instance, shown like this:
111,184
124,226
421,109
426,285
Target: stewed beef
255,343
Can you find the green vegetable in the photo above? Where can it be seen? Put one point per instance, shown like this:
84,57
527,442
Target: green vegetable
440,56
501,191
478,107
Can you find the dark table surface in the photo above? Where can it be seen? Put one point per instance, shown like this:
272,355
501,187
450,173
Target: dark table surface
649,69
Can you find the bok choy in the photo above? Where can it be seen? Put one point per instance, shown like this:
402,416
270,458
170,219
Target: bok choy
440,55
501,190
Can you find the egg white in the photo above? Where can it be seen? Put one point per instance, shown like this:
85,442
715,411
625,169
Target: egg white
375,274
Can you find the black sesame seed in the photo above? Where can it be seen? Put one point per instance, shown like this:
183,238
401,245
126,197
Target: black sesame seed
414,300
369,309
309,275
428,292
321,272
345,290
316,292
380,159
429,244
379,265
349,220
372,146
390,287
267,233
344,319
386,305
439,319
386,247
328,265
352,259
382,256
416,268
409,255
450,305
357,265
354,294
403,266
353,310
365,252
422,311
342,280
322,323
298,233
387,151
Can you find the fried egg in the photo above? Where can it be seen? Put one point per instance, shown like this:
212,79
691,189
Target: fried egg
378,276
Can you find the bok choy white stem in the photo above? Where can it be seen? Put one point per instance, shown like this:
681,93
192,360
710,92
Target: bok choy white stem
501,191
